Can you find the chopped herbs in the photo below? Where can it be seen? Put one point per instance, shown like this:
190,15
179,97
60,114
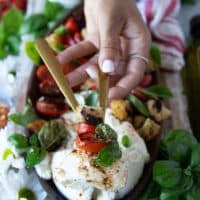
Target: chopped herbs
126,142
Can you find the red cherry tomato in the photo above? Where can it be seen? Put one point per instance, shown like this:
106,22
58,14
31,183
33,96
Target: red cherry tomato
146,81
85,128
136,92
71,25
42,73
51,107
48,87
88,143
21,4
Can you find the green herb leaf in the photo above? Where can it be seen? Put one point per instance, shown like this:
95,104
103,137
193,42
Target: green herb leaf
105,133
26,116
12,21
157,91
19,141
155,54
34,156
139,105
13,44
32,52
169,195
25,193
126,142
92,99
108,155
61,30
195,156
167,173
53,10
177,144
33,140
7,152
52,135
193,193
58,47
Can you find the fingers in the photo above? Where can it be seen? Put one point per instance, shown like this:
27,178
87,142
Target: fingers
82,49
81,74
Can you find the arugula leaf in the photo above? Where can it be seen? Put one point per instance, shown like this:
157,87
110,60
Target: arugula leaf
12,21
52,135
139,105
92,99
105,133
32,52
34,156
167,173
157,91
155,54
126,142
26,116
108,155
19,141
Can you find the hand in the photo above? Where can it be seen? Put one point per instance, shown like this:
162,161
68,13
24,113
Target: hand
115,29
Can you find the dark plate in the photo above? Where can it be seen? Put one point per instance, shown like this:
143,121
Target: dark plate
153,146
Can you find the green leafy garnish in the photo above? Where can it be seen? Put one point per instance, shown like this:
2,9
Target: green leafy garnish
52,135
126,142
105,133
34,156
108,155
18,140
26,116
138,104
26,193
61,30
155,54
92,99
58,47
32,52
157,91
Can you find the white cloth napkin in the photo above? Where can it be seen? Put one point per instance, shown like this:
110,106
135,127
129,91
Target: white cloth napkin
161,18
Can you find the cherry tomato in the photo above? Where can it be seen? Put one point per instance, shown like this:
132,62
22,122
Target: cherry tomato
71,25
146,81
51,107
21,4
42,73
85,128
136,92
48,87
4,6
88,143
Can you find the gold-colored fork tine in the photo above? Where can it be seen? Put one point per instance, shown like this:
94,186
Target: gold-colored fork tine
54,68
103,90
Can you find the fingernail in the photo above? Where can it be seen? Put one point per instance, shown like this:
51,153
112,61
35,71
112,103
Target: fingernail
92,73
108,66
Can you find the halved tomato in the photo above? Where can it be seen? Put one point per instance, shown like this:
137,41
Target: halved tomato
51,107
71,25
146,81
42,73
88,143
85,128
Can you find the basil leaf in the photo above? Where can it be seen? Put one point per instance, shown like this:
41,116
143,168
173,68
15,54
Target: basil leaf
155,54
12,21
26,116
92,99
169,195
139,105
34,156
13,43
33,140
193,193
25,193
58,47
52,135
53,10
177,144
108,155
19,141
61,30
32,52
157,91
195,156
105,133
167,173
126,142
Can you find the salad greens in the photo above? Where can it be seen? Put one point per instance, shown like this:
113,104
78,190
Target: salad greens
155,54
176,175
92,99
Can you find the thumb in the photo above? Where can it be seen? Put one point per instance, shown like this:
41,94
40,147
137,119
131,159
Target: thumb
110,51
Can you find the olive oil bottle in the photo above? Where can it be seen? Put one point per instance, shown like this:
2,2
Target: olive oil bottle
191,76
